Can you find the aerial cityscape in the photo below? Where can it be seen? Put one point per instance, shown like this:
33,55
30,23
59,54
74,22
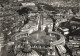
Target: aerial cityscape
39,27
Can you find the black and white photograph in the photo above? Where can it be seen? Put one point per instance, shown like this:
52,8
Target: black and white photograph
39,27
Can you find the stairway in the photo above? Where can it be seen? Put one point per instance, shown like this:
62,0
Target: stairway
1,41
1,44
